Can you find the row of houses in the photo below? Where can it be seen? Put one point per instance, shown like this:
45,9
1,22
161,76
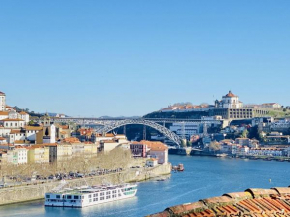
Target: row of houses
46,153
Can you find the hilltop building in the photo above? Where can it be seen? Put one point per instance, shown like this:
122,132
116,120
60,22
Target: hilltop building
231,108
229,101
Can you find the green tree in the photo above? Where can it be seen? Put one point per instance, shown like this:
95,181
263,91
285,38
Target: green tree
183,143
245,134
214,146
188,143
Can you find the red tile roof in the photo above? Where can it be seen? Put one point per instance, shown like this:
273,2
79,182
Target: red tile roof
230,94
252,202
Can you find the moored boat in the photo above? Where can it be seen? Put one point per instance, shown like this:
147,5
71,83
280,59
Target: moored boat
89,195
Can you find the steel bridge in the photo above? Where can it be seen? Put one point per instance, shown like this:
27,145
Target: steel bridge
119,123
107,120
109,124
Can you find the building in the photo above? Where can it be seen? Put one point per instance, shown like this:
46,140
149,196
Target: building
2,101
38,154
24,116
277,140
48,133
230,101
152,162
18,155
108,145
4,115
3,140
243,141
186,129
271,105
12,123
280,125
31,132
243,150
138,149
16,135
275,152
231,108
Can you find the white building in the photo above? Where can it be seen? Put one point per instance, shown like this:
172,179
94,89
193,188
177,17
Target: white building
17,156
31,131
16,135
271,105
49,132
2,101
280,125
24,116
229,101
10,123
186,129
4,115
266,152
4,132
152,162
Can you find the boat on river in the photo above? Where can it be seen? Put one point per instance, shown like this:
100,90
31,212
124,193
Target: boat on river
89,195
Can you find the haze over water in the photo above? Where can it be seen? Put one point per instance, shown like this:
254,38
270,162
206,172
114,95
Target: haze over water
203,177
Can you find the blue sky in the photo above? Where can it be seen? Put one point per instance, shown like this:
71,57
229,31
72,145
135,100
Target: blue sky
93,58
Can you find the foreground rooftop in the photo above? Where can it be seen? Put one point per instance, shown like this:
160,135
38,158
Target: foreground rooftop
251,202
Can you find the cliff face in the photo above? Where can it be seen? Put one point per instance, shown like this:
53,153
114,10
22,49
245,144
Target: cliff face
253,202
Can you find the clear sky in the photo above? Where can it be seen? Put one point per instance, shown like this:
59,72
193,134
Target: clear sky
94,58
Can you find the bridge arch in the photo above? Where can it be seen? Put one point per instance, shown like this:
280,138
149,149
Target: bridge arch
119,123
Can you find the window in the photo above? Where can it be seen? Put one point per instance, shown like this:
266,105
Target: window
90,196
58,196
68,197
76,197
47,196
108,197
102,198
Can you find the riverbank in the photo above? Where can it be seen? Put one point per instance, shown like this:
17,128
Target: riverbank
188,151
203,177
19,194
250,157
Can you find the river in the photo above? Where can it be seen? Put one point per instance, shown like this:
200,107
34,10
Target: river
203,177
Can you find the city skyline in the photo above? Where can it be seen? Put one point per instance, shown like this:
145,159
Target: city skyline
111,58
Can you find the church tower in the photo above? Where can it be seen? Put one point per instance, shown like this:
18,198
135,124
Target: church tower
48,130
2,101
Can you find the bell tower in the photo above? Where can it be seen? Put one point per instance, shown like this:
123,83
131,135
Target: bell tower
2,101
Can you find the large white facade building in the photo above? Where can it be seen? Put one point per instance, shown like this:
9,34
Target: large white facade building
229,101
186,129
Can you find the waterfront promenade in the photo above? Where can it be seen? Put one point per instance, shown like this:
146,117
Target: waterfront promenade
23,193
203,177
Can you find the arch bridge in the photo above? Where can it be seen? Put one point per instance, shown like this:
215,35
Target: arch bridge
119,123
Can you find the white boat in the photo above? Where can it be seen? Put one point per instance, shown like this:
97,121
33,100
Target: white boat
88,196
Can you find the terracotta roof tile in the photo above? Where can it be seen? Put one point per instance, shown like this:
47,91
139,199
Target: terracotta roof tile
253,202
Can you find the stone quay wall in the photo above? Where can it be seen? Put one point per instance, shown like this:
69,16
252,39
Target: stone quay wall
34,192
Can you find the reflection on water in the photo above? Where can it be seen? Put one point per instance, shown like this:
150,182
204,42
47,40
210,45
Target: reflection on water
203,177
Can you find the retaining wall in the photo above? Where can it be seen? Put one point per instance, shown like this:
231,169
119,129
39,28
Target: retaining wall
34,192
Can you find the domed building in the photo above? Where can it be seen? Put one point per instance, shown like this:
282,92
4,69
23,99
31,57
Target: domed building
231,108
229,101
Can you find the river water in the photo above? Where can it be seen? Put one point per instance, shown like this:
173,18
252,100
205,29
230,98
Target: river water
203,177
